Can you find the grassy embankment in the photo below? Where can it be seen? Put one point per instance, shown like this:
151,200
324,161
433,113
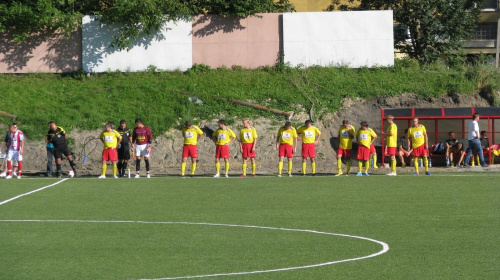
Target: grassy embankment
82,101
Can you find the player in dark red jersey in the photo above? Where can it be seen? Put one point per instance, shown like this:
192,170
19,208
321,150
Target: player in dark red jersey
142,138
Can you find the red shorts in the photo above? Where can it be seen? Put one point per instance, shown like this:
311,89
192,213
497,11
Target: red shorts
308,150
344,152
286,150
420,151
392,151
222,151
372,149
247,150
190,151
363,153
109,155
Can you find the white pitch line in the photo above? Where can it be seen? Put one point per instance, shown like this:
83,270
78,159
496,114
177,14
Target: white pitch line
28,193
385,246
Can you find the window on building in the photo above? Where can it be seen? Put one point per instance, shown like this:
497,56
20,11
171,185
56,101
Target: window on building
486,31
490,5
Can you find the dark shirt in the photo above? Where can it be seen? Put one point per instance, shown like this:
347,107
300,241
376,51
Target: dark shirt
142,135
403,142
125,133
451,142
465,144
484,143
57,138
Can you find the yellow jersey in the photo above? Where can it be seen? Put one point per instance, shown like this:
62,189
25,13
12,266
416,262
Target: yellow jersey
365,137
416,136
110,139
345,141
392,141
248,135
191,135
224,136
308,135
287,135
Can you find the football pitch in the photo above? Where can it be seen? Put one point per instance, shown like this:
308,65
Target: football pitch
444,226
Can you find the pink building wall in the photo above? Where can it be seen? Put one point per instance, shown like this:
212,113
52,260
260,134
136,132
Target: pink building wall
250,42
41,54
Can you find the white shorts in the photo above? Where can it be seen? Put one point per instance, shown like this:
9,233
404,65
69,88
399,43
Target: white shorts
141,150
14,155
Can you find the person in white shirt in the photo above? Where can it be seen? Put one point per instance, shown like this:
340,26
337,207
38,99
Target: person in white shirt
474,142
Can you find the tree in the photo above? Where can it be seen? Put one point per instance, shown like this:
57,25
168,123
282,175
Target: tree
137,17
434,27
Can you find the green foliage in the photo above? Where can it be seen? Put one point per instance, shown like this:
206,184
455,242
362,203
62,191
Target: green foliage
87,101
435,27
136,17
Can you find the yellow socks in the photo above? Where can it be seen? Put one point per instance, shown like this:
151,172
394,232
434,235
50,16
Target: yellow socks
415,163
217,167
348,167
313,167
339,165
183,168
367,165
360,166
304,165
375,161
426,164
193,168
115,169
244,168
253,167
290,164
393,166
104,166
226,167
280,167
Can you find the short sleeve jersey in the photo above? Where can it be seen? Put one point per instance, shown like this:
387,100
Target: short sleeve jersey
224,136
392,141
286,136
125,133
191,135
142,135
110,139
16,138
416,136
345,141
365,137
308,135
57,138
248,135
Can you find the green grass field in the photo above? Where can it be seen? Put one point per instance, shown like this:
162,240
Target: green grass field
437,227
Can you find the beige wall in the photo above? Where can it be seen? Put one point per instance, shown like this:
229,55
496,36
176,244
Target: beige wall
41,53
249,42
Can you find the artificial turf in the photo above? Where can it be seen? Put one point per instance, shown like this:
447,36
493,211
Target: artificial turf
437,227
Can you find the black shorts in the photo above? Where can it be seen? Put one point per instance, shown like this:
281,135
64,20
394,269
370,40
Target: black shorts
58,153
124,152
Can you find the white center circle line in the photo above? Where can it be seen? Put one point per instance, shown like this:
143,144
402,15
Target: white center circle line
385,246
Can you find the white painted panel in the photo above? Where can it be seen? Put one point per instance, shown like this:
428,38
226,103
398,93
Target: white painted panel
168,49
353,39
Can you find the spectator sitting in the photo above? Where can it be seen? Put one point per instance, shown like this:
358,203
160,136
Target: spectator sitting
462,147
451,147
402,148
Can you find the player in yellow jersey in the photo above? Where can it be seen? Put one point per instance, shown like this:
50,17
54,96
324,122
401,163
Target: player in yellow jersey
417,136
309,135
286,144
191,134
248,142
373,152
365,138
110,138
392,143
345,136
223,137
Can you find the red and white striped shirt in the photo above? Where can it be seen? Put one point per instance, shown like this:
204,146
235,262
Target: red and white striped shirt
16,139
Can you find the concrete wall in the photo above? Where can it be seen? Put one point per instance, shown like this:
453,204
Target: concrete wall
41,53
168,49
352,39
250,42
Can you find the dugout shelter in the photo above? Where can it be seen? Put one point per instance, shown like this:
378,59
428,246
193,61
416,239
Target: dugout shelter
440,121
